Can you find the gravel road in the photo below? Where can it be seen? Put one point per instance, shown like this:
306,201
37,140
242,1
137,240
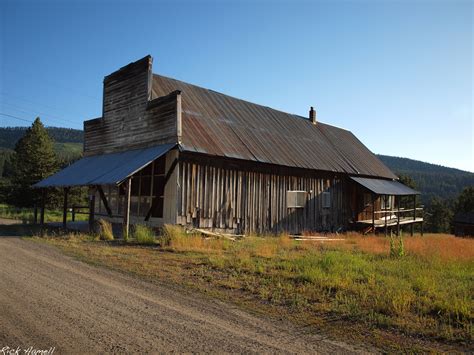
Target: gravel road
48,300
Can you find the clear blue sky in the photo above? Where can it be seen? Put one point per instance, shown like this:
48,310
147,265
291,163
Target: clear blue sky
396,73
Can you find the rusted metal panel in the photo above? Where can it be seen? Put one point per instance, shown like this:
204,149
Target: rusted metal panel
220,125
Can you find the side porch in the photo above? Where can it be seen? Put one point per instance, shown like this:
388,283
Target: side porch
384,205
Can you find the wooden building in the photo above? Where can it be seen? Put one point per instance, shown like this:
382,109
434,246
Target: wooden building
165,151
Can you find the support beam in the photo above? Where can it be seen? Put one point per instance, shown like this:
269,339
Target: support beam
66,191
91,209
414,216
35,218
373,213
398,198
104,200
385,199
126,210
43,204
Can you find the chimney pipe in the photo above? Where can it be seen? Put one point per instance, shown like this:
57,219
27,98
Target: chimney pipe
312,115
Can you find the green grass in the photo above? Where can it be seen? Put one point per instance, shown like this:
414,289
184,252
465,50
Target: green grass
26,215
398,303
143,234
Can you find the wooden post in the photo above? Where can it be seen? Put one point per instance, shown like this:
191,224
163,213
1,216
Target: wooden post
398,215
126,210
91,209
373,213
35,216
66,190
414,216
422,220
43,203
385,214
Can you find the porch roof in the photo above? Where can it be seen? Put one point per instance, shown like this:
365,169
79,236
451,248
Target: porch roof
105,169
385,187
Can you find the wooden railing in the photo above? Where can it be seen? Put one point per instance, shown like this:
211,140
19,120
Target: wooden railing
77,209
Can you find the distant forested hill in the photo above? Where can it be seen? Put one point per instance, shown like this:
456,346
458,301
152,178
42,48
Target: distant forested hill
10,135
431,179
67,143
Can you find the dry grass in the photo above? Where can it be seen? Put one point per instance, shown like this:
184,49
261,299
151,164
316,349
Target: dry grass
444,247
105,230
427,293
143,234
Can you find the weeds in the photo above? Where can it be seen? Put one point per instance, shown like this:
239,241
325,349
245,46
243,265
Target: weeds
144,234
105,230
426,293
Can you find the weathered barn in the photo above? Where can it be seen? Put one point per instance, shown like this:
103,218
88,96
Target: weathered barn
165,151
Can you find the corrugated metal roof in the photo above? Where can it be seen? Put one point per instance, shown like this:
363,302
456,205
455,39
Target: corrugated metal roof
217,124
385,187
105,169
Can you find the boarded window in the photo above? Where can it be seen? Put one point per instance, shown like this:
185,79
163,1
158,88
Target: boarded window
326,199
296,199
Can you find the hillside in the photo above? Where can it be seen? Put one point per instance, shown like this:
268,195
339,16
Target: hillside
431,179
67,143
10,135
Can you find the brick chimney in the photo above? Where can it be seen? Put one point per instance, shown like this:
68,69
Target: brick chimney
312,115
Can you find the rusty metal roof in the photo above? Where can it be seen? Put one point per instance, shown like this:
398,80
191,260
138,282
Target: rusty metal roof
217,124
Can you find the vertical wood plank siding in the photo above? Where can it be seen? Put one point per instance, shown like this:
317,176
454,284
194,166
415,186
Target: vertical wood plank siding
242,201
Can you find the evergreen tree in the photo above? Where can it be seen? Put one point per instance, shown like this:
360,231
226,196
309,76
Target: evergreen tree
465,202
439,216
34,160
408,181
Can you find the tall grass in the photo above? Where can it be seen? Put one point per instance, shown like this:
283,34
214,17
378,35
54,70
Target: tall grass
175,238
428,291
105,230
143,234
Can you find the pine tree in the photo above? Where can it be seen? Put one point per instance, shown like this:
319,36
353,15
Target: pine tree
34,160
465,202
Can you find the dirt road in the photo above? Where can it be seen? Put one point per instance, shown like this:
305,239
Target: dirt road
50,300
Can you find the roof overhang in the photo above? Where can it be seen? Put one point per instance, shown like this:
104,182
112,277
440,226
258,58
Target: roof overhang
385,187
105,169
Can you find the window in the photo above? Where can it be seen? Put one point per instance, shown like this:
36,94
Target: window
387,202
367,199
296,199
326,199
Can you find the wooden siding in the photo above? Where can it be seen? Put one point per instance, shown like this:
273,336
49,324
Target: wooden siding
130,120
241,200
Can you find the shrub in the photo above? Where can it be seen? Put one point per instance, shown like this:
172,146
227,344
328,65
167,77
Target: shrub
144,234
105,230
168,233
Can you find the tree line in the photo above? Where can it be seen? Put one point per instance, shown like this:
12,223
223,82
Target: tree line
33,159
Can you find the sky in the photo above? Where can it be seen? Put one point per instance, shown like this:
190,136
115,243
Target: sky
398,74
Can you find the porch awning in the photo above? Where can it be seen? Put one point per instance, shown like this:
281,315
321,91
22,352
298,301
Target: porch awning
106,169
385,187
